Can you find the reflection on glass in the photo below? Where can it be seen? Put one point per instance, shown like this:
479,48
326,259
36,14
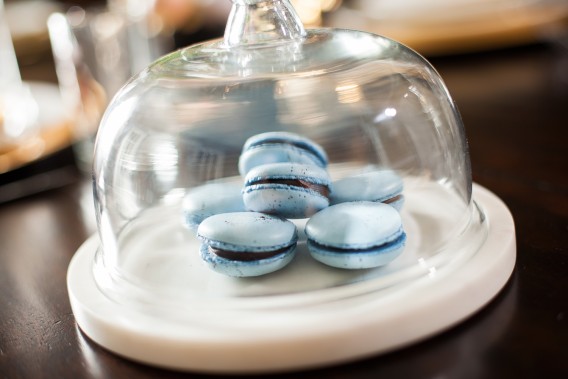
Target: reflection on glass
18,111
96,51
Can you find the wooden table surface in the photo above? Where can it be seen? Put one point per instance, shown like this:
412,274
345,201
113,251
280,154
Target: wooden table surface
514,104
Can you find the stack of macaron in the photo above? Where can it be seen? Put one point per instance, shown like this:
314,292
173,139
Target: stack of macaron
353,223
285,174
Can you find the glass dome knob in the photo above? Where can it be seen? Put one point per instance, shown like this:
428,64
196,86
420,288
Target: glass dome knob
253,22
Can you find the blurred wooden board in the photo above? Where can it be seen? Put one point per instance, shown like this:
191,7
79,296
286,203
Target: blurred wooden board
448,31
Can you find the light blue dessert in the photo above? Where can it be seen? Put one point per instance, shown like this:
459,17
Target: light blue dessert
210,199
244,244
278,147
356,235
289,190
383,186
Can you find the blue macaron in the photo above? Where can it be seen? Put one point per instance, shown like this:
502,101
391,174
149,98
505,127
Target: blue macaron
289,190
356,235
277,147
383,186
210,199
244,244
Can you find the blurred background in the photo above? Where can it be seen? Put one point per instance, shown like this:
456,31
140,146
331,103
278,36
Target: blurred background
62,61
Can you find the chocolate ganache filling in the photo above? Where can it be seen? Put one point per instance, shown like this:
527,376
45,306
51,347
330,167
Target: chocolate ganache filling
393,199
247,256
319,188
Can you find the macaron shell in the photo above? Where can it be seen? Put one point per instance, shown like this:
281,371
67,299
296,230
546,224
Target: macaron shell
355,225
210,199
284,200
247,268
275,153
354,259
289,139
377,185
247,231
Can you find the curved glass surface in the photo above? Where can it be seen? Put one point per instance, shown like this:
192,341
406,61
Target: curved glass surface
370,102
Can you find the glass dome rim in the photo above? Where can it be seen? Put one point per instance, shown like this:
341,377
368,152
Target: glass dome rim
475,216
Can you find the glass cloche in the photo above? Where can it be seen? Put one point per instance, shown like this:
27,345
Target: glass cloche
176,135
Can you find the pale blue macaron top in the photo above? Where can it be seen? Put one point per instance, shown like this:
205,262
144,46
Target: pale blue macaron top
247,231
209,199
379,185
355,225
275,147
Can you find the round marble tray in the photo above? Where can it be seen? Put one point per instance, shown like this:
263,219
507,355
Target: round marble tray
269,339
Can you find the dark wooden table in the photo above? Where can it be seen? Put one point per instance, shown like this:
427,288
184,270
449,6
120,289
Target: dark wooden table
514,104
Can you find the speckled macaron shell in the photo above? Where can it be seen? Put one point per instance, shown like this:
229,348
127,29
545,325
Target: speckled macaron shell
356,235
380,185
210,199
278,147
247,233
265,192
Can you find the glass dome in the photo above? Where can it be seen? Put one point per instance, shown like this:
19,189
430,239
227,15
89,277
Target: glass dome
369,102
